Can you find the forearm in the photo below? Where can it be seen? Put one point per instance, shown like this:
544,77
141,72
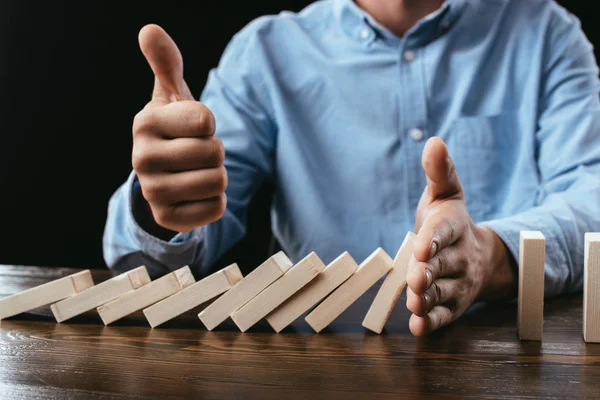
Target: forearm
563,217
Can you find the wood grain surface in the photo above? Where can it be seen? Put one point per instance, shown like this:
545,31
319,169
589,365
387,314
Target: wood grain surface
479,356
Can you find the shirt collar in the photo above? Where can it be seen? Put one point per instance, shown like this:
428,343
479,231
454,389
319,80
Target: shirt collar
361,26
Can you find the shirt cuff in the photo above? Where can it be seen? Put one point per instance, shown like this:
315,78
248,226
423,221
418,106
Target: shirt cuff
179,251
509,230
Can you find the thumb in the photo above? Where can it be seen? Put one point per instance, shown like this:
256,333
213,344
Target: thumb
166,62
442,179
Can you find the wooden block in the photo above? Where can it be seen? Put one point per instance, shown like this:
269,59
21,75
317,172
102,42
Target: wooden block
336,273
367,274
591,288
146,295
45,294
281,290
254,283
532,257
391,288
193,295
100,294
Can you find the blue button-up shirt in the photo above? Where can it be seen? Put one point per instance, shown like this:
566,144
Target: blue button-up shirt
335,110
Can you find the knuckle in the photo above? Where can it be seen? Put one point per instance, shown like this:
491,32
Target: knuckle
209,119
201,120
141,159
152,190
221,206
163,216
221,180
143,122
217,151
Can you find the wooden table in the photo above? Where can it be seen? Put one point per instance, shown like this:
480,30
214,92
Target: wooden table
478,356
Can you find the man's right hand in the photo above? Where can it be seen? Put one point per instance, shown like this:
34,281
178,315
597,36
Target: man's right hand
178,161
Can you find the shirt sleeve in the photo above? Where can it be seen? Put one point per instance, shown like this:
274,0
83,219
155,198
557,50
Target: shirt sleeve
242,123
568,159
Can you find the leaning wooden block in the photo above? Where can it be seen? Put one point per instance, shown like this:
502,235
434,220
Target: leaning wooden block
193,295
254,283
145,296
100,294
45,294
282,289
591,288
532,257
368,273
336,273
391,288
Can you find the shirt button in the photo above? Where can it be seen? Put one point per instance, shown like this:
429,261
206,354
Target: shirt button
409,55
416,134
365,34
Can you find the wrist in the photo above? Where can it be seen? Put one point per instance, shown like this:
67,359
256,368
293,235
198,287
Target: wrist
142,213
501,282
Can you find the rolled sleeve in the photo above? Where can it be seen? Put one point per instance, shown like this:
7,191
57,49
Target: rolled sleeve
123,236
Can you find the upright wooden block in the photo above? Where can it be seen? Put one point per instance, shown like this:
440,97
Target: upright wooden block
254,283
282,289
45,294
591,288
146,295
193,295
391,288
532,257
367,274
336,273
100,294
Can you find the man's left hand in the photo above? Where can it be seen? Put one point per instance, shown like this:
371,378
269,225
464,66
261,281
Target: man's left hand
455,262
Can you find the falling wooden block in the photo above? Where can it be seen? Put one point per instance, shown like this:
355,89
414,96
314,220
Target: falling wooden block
532,255
336,273
591,288
367,274
100,294
254,283
145,296
193,295
282,289
45,294
391,288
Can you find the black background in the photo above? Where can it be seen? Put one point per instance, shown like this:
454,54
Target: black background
71,79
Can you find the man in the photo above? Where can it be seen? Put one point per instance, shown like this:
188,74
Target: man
340,106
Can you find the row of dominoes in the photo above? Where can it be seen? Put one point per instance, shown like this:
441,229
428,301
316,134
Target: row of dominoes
281,292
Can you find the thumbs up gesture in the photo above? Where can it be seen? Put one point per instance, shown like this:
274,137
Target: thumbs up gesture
455,262
178,161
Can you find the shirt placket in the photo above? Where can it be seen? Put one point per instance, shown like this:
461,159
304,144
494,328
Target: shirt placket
413,121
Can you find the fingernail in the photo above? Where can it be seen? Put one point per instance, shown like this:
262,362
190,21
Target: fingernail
429,277
427,299
433,249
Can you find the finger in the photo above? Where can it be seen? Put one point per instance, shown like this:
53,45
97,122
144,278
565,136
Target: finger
440,230
166,62
438,317
422,208
441,291
175,120
184,217
187,186
447,263
177,155
442,179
